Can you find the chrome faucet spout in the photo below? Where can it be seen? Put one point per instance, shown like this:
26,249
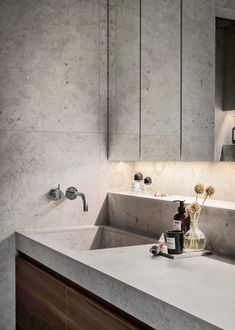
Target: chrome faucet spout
84,201
72,193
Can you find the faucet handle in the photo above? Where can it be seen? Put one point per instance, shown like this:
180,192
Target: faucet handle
71,193
55,193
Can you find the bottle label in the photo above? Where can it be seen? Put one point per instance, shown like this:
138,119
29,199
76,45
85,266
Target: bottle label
170,242
177,224
135,187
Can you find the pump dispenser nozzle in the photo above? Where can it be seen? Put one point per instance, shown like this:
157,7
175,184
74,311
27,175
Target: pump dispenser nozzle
181,208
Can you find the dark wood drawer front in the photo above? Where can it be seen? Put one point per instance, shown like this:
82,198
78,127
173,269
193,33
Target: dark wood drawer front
47,301
40,299
85,313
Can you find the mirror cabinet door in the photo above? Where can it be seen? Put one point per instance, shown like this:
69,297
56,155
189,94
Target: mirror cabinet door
198,80
160,80
225,85
124,80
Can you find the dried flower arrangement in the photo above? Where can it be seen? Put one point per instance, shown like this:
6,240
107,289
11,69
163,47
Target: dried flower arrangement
194,239
199,190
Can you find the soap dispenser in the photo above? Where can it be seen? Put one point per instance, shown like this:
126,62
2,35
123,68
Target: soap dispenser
137,184
233,132
181,220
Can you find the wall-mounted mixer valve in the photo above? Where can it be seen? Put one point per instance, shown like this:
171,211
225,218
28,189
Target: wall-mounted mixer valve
55,193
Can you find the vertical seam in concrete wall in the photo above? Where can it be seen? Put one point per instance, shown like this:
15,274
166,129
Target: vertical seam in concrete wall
223,71
108,145
140,31
181,77
100,130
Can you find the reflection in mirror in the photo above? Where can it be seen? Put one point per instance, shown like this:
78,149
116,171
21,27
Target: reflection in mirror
225,90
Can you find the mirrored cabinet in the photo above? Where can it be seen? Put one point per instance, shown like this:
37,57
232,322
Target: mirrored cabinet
124,80
160,80
198,80
225,86
162,95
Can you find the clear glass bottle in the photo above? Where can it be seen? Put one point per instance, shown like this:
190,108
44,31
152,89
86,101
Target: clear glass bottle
136,185
194,239
147,186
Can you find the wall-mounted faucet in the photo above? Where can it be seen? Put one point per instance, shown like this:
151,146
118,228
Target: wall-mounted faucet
72,193
55,193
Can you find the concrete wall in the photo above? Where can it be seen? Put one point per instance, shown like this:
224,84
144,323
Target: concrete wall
53,126
52,121
217,223
179,178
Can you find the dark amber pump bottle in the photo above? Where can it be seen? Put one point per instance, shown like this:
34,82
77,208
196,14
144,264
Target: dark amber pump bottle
233,132
181,220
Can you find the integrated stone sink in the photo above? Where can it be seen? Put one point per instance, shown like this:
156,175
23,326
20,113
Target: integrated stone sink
92,238
150,289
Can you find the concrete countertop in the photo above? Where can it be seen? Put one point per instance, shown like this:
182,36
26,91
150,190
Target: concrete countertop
192,293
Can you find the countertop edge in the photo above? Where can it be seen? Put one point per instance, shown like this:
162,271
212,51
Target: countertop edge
150,310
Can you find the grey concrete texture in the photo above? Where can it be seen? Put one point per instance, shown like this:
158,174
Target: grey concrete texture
48,48
160,66
198,80
168,147
160,80
124,64
160,88
52,122
152,217
133,281
32,163
228,153
131,4
124,147
229,4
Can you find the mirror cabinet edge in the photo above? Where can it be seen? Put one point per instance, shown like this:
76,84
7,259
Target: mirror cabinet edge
128,157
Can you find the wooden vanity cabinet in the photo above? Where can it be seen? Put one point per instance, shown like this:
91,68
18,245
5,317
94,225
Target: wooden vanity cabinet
40,298
46,300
